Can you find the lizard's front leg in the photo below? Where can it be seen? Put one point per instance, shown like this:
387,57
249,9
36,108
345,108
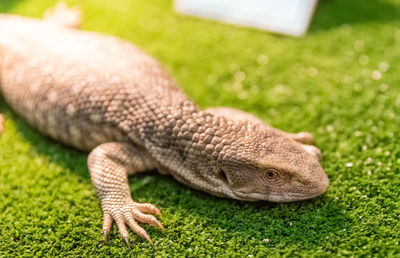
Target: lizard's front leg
109,166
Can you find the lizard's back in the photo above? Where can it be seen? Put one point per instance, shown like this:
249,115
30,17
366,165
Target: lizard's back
76,86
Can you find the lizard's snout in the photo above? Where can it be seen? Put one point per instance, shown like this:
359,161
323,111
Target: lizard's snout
319,185
323,185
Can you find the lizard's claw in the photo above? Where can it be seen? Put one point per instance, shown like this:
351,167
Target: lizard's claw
129,214
313,151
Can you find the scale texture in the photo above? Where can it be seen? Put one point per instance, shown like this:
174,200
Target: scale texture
103,95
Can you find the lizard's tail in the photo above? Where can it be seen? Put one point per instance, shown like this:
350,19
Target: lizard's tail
63,15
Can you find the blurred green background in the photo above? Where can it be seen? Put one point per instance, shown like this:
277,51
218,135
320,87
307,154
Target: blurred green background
340,82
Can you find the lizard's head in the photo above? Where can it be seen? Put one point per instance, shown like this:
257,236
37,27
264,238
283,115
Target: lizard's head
262,164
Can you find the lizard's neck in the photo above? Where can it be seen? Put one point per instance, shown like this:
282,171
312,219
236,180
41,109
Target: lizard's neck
181,127
189,144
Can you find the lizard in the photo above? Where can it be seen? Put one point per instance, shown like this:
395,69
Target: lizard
103,95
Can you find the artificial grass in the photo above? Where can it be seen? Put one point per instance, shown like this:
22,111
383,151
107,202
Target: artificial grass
339,82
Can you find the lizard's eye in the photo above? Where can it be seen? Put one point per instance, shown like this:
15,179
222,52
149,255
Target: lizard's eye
271,175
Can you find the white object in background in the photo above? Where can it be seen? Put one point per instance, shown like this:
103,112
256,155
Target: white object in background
290,17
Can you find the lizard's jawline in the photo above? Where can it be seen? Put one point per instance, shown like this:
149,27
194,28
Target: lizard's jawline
272,198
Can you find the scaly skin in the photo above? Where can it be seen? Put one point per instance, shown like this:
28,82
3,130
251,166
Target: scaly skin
103,95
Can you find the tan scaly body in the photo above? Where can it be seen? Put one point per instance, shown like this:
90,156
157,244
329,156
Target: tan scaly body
103,95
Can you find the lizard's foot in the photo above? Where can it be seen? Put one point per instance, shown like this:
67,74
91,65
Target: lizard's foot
313,151
302,137
109,165
63,15
1,123
128,213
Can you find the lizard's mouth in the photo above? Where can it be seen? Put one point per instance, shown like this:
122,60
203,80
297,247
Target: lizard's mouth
289,197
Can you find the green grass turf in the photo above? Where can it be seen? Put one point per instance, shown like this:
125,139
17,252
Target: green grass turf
340,82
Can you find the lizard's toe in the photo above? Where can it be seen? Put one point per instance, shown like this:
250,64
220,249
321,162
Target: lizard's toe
120,221
107,225
63,15
136,228
129,214
303,137
148,208
313,151
144,218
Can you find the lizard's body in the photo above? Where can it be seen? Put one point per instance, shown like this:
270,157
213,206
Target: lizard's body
103,95
71,69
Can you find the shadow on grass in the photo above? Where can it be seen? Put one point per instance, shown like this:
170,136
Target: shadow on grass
63,155
308,223
333,13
